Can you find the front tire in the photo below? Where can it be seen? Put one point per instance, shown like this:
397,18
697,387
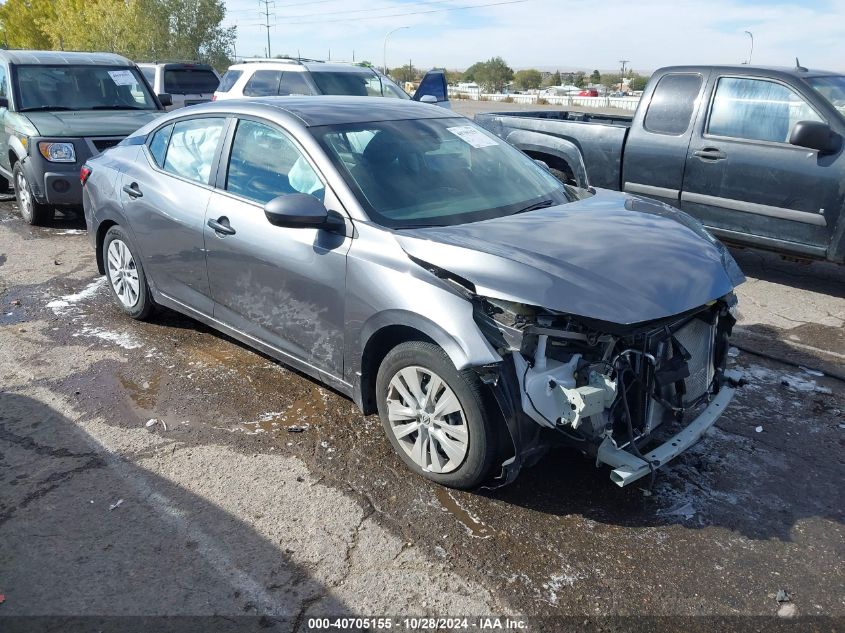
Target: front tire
434,415
125,275
32,211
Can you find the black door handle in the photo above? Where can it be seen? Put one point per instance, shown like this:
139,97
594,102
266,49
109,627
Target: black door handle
221,226
132,190
710,153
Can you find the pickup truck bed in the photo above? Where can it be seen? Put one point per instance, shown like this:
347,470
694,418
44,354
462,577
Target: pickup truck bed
756,154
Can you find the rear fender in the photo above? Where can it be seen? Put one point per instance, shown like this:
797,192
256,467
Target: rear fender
563,150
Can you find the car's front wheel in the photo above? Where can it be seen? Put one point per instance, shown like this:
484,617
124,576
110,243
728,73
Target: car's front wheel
32,211
435,416
125,275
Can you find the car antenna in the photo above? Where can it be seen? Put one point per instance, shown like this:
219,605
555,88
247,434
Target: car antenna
799,67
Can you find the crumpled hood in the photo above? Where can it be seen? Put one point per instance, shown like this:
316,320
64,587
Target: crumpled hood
90,122
610,257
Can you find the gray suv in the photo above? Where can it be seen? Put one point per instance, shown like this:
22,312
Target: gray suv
57,110
417,263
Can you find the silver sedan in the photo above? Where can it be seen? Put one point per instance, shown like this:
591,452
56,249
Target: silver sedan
407,258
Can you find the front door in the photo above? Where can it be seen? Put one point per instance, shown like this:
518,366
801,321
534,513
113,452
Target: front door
283,286
166,198
745,180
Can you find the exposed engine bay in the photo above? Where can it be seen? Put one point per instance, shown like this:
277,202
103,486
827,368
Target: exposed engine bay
605,388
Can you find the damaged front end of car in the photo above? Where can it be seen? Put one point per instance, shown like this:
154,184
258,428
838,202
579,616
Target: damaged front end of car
606,389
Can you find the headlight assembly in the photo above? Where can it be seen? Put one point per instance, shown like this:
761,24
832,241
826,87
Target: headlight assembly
57,152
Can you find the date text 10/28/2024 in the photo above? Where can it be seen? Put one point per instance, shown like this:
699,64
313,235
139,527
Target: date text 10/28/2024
416,623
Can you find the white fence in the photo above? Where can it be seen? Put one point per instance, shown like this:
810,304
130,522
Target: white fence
621,103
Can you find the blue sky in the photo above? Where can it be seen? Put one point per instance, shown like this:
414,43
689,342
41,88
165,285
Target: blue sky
550,33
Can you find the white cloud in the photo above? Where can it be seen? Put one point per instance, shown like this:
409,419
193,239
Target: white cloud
571,34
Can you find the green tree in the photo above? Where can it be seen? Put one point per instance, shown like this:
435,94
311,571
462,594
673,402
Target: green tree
405,73
471,73
23,23
638,82
580,79
528,79
595,78
492,75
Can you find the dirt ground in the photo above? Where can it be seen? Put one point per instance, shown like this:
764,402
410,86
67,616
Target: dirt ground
148,469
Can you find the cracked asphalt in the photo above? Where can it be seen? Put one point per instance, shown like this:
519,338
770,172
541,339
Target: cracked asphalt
160,468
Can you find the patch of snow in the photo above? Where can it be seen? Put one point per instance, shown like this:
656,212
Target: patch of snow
122,339
72,232
88,291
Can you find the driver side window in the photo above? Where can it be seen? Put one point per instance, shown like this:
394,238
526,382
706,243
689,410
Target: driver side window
265,164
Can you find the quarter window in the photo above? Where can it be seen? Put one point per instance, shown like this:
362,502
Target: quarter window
229,80
756,109
158,144
263,83
294,84
192,146
265,164
672,104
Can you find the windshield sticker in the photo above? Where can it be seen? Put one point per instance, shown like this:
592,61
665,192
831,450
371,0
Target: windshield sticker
470,135
122,77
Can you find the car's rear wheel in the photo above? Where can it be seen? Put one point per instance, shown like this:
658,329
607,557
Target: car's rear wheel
435,416
32,211
125,275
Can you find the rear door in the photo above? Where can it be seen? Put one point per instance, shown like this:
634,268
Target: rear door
282,286
165,198
656,148
746,181
434,85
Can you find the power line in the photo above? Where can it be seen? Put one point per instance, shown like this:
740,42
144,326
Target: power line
409,4
397,15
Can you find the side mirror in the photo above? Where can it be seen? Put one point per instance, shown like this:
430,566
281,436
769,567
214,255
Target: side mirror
165,99
428,99
815,135
297,211
4,102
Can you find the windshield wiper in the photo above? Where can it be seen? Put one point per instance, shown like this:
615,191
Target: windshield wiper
537,205
45,107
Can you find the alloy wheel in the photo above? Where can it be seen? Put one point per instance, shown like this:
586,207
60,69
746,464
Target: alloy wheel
123,274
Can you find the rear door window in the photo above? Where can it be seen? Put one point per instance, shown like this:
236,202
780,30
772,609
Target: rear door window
263,83
294,83
183,81
192,148
673,104
756,109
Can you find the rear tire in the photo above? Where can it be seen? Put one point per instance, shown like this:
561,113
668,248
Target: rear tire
435,416
125,275
32,211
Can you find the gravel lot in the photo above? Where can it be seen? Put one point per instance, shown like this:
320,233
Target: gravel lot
148,469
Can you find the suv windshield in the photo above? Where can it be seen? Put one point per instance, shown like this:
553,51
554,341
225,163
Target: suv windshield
832,89
65,87
437,172
184,81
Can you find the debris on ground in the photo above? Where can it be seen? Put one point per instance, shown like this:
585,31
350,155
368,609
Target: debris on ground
812,372
759,429
799,384
153,421
116,504
295,428
783,596
733,352
15,302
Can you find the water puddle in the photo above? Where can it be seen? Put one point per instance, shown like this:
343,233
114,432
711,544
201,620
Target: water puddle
471,523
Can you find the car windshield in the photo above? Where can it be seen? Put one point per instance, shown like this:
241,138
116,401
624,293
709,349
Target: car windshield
832,89
437,172
65,87
184,81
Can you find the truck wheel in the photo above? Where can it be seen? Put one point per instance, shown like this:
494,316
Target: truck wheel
32,211
127,281
434,415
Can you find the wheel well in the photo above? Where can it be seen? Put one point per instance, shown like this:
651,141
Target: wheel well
105,225
376,349
555,163
13,158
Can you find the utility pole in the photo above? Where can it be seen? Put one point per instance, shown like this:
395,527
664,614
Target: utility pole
751,53
384,57
266,14
622,77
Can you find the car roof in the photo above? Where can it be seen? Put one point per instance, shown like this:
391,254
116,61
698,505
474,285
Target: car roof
747,69
329,67
330,110
272,64
63,57
175,65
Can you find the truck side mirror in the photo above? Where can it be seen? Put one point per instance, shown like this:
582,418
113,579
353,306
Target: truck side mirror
165,99
4,102
815,135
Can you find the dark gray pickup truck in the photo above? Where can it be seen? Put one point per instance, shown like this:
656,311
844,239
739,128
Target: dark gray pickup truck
755,153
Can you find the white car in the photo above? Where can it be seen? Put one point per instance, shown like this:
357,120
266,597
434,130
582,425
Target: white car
187,83
275,77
